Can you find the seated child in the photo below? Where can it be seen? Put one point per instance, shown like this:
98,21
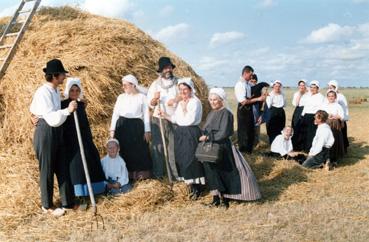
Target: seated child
322,142
115,170
282,146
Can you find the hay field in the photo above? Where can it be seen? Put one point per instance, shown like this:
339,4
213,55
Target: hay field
297,204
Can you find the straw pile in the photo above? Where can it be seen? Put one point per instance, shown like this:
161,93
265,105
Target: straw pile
99,51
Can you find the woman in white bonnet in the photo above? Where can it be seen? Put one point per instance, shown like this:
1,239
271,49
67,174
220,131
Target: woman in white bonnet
130,125
231,177
73,91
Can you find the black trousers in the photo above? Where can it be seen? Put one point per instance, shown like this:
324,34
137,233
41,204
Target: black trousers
48,146
245,128
317,160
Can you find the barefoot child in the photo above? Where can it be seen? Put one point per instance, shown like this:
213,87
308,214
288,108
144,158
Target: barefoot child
115,170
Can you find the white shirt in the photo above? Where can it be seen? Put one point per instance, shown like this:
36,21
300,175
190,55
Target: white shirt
191,116
46,104
341,99
275,100
242,90
302,101
116,169
165,95
313,103
131,106
323,138
333,109
281,145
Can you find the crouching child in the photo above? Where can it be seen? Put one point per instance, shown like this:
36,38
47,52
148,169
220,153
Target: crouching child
116,173
322,142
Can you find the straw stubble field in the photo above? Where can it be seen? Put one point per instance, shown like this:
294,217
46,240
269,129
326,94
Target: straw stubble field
297,204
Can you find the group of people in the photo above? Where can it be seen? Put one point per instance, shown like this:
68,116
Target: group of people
318,127
153,133
157,132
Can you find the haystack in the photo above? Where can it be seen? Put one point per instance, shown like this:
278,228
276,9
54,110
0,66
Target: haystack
98,50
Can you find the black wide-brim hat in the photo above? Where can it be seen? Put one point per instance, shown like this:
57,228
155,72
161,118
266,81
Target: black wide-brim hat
163,62
54,66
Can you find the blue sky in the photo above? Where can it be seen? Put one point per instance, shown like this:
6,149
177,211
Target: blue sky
282,39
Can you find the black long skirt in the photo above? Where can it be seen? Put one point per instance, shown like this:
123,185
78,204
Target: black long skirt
309,130
245,128
296,124
345,137
185,143
224,175
276,122
337,150
133,148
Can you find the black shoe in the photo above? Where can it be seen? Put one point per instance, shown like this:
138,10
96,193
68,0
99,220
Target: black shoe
195,192
224,203
214,203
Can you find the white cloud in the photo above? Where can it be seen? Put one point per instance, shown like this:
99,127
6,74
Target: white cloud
330,33
166,10
268,3
173,32
225,38
109,8
208,63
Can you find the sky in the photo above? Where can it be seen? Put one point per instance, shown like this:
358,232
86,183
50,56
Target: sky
286,40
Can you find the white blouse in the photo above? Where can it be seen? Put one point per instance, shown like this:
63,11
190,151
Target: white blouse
302,100
281,145
313,104
46,104
165,95
323,138
115,168
242,90
333,109
341,99
275,100
131,106
191,116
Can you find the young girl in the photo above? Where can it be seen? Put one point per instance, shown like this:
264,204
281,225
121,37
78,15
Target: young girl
335,121
115,170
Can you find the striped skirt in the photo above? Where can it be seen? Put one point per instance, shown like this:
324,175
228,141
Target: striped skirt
249,187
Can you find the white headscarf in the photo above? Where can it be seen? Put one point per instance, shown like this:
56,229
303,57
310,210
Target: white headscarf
133,80
219,92
188,81
71,81
333,83
275,82
314,82
112,140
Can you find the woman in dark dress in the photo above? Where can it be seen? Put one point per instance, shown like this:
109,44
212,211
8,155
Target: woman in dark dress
298,101
73,91
130,125
188,116
231,177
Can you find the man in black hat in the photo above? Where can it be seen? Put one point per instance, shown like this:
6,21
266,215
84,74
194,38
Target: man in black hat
163,94
47,142
245,115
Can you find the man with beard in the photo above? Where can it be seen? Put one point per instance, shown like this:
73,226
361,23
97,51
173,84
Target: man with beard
162,94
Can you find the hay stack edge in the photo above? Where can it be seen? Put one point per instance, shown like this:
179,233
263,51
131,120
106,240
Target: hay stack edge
98,50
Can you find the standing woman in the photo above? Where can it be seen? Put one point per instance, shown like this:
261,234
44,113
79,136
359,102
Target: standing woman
341,99
298,101
73,92
313,103
231,177
130,125
188,117
276,103
335,121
